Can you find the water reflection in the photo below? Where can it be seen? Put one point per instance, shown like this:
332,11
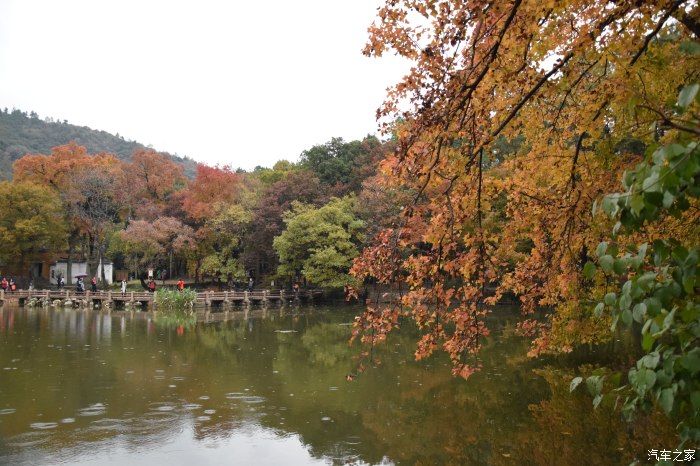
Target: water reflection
268,387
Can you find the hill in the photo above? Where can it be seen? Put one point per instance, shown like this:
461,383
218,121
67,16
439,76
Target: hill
22,133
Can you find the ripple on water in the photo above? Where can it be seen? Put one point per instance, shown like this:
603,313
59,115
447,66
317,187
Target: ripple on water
191,406
250,399
29,439
7,411
204,397
353,440
163,407
108,424
43,425
203,418
68,420
209,411
96,409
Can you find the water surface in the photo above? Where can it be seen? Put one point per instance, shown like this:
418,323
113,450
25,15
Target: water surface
269,387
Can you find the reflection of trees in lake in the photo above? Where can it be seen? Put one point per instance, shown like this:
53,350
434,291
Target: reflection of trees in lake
566,431
252,373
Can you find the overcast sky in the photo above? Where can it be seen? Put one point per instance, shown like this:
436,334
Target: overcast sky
240,83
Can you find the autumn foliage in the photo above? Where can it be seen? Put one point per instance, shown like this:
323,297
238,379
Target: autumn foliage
514,119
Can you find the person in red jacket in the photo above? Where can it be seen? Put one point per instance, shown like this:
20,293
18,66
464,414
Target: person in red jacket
180,285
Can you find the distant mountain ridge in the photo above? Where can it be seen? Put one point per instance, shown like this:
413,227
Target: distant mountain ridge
22,133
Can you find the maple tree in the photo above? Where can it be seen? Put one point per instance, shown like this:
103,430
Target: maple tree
152,244
153,178
61,171
514,119
211,188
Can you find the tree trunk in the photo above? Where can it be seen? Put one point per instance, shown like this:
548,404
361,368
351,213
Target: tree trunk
69,265
93,254
102,270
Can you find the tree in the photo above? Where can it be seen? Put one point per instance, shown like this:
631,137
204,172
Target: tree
660,279
574,107
298,185
96,203
218,249
212,187
320,243
57,170
150,244
31,222
342,165
521,115
152,177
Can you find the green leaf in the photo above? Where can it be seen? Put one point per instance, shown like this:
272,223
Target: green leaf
594,384
639,312
625,303
606,262
691,361
689,283
695,399
642,250
589,270
575,383
610,299
690,47
668,199
650,183
666,400
651,360
637,204
653,306
626,314
598,311
619,266
597,400
600,250
687,95
649,378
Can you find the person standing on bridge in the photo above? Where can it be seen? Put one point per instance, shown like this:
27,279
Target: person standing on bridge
250,284
180,285
4,284
13,285
93,282
152,286
123,286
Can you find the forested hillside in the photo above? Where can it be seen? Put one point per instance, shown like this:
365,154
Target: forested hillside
22,133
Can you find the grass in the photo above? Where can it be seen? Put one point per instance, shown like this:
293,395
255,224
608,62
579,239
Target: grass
173,301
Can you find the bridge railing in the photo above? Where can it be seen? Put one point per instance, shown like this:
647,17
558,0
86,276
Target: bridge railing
206,297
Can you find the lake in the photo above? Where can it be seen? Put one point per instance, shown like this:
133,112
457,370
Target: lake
269,387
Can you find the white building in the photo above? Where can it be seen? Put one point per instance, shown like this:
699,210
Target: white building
60,269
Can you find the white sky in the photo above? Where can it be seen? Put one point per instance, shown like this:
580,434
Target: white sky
230,82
